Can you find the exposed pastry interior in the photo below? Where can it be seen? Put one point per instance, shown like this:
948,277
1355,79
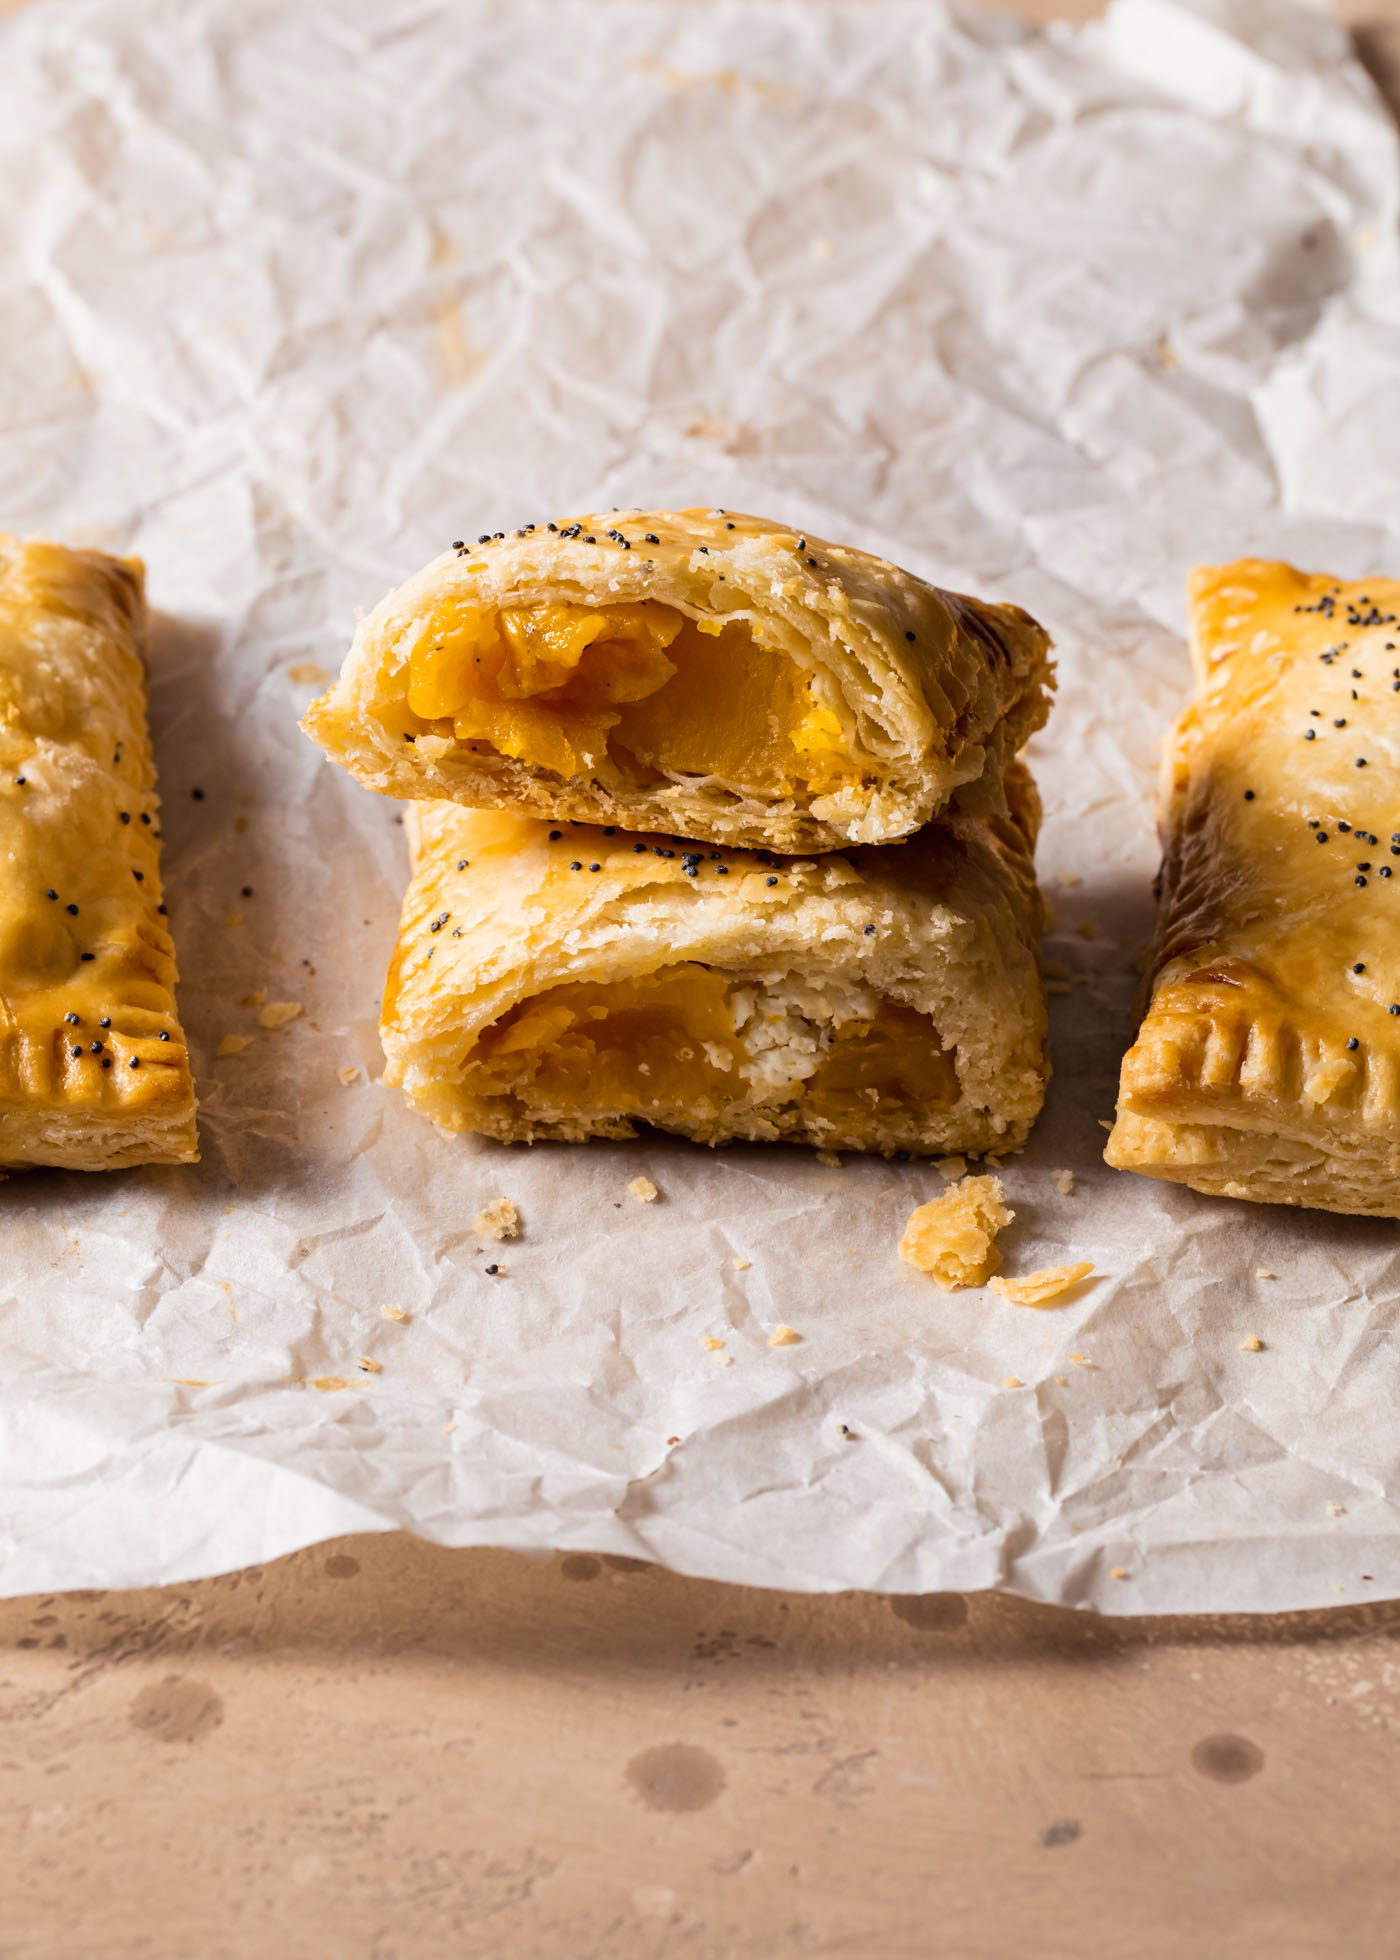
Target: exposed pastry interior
703,672
94,1073
564,981
1267,1065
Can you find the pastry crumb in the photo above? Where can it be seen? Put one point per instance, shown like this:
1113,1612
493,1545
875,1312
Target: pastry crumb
348,1075
951,1167
1081,1361
830,1159
1070,878
1105,1123
741,1265
1336,1510
1039,1289
1262,1272
1013,1381
712,1343
253,1000
308,673
232,1044
1251,1344
370,1365
643,1189
278,1013
329,1384
1118,1572
448,1428
953,1238
499,1220
1064,1183
784,1336
393,1313
1063,1380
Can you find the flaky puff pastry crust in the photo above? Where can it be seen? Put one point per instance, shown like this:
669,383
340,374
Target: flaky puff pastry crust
93,1069
934,692
503,910
1267,1065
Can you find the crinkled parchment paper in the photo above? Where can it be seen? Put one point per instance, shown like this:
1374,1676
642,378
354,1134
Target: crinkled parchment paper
292,295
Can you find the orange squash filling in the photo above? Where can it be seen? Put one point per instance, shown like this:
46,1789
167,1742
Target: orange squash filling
691,1041
635,688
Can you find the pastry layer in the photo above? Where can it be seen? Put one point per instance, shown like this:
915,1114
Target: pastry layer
93,1069
1267,1065
694,671
571,982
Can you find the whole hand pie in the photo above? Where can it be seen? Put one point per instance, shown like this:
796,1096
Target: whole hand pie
1267,1065
692,671
93,1069
569,981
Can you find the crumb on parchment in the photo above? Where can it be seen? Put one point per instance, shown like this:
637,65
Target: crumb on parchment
307,673
712,1343
1043,1288
1336,1510
1013,1381
278,1013
393,1313
252,1000
951,1167
953,1238
1064,1183
499,1220
370,1365
1118,1572
741,1265
232,1044
1251,1344
784,1336
644,1190
348,1075
1262,1272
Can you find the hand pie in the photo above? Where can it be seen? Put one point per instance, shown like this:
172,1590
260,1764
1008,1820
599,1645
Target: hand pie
1268,1063
93,1069
572,982
693,671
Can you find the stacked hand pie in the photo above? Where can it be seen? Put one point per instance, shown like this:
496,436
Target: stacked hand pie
716,827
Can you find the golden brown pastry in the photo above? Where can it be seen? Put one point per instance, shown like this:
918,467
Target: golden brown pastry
1268,1063
569,981
693,671
93,1069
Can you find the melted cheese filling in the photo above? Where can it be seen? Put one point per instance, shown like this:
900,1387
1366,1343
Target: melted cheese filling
626,690
697,1041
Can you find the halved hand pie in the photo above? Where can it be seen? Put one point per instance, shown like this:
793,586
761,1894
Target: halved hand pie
694,671
93,1069
1267,1065
571,981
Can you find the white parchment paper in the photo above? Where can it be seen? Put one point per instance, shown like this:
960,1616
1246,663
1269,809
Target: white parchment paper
290,296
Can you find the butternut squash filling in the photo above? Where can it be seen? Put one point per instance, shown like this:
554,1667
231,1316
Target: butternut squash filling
622,692
689,1045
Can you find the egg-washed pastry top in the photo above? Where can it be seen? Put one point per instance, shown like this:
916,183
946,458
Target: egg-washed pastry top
1267,1065
93,1069
570,981
694,671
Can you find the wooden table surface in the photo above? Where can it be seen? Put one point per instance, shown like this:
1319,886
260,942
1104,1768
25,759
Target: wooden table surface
378,1750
